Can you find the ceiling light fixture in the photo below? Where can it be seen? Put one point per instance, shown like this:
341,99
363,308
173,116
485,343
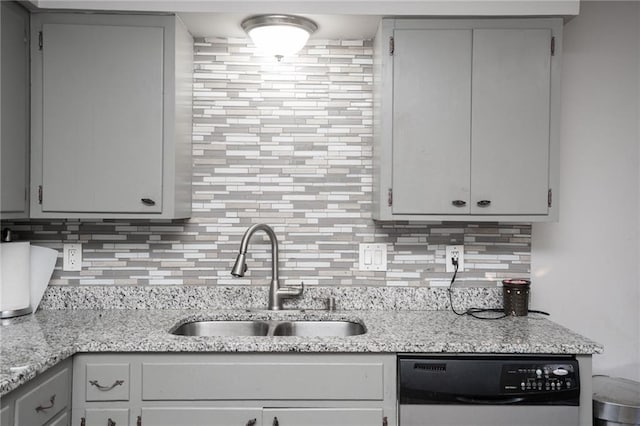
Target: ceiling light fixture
279,35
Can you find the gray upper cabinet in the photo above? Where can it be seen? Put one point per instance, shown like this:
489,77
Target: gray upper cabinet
14,111
111,108
466,119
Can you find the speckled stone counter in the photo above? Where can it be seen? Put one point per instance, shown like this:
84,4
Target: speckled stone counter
255,297
32,344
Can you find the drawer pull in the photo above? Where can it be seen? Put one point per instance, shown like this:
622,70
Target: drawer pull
111,422
484,203
148,202
106,388
459,203
52,401
252,422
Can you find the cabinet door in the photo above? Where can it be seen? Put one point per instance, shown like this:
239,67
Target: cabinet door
322,416
102,114
201,416
510,125
14,110
106,417
431,121
42,403
6,414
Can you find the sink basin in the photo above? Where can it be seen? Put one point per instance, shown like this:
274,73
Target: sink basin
223,328
318,328
270,328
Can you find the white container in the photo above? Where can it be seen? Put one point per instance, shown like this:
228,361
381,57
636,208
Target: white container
15,279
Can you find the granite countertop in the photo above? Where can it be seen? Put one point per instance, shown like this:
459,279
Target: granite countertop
34,343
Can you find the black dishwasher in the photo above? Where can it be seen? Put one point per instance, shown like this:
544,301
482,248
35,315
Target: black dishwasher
471,390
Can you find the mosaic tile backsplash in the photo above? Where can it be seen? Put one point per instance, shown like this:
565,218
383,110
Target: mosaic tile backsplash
288,144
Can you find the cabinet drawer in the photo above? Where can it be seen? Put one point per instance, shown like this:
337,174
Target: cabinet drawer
269,380
107,382
101,417
45,401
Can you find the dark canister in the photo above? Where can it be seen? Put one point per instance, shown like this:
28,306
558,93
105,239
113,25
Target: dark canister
515,295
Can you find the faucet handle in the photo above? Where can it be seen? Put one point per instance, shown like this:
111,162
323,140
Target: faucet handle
291,291
299,289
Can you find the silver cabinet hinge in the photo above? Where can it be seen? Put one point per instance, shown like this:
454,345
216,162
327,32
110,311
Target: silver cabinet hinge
553,46
390,197
392,46
550,198
40,40
39,194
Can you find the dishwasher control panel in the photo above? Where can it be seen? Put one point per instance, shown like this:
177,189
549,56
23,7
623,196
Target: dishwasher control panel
531,377
489,379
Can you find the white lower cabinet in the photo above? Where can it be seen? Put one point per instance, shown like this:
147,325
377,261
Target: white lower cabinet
235,389
44,401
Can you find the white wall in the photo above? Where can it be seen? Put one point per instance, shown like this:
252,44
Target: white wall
585,268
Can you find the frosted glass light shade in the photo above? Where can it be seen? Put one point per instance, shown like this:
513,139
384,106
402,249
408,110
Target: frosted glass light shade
279,35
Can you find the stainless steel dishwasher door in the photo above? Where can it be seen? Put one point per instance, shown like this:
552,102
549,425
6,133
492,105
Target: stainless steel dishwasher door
494,390
488,415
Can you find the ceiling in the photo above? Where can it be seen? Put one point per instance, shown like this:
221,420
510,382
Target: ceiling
345,27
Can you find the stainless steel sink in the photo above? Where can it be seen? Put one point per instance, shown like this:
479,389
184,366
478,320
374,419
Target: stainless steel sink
223,328
270,328
318,328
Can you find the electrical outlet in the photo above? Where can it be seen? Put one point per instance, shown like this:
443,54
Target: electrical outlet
454,252
72,257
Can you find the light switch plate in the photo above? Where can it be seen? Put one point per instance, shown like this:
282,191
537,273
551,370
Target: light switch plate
373,257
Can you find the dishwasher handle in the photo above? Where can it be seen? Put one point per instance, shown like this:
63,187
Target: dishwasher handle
489,401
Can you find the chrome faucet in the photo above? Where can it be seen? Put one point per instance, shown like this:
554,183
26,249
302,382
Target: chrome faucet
276,293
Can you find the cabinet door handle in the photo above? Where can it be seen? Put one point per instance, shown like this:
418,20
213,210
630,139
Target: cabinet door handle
111,422
275,422
139,421
106,388
459,203
52,402
83,422
148,201
252,422
484,203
